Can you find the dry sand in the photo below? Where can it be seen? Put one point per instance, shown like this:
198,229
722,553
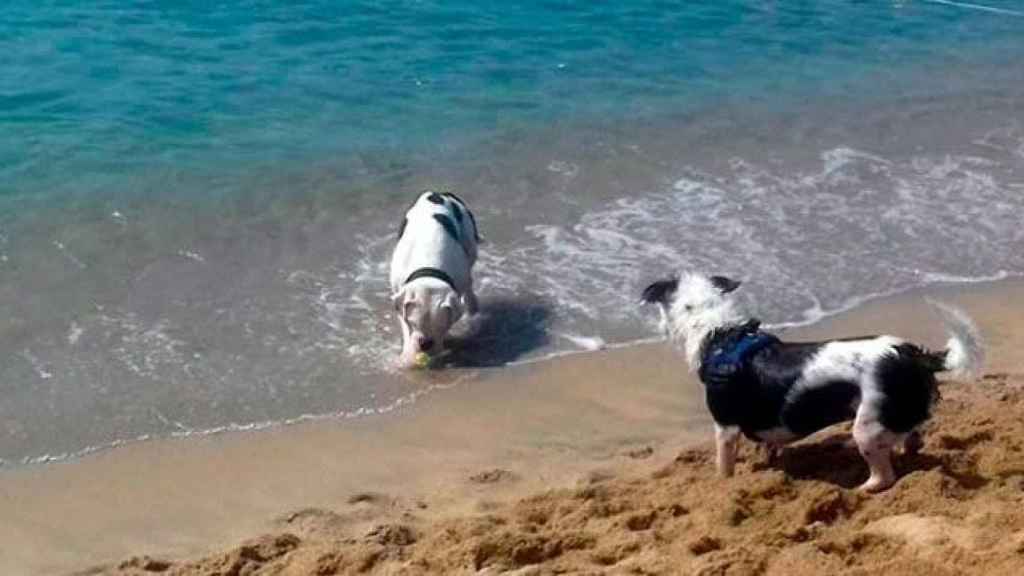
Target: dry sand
549,424
588,465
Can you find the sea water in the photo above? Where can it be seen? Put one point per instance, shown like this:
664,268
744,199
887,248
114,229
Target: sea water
198,199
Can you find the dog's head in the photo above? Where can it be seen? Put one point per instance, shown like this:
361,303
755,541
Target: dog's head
427,309
693,306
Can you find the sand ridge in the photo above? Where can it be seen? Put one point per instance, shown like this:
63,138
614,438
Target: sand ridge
958,508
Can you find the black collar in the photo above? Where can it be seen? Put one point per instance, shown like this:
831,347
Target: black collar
431,273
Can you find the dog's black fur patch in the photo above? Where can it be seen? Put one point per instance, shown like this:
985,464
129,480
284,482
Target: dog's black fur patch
820,407
456,198
457,212
435,198
660,292
908,381
472,218
448,225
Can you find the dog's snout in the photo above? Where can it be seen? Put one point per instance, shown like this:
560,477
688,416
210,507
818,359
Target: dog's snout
426,344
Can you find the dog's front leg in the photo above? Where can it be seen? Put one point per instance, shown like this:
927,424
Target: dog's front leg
727,443
472,305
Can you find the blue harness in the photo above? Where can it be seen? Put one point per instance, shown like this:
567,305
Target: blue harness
729,356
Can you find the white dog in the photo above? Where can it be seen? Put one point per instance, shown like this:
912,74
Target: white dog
777,392
432,272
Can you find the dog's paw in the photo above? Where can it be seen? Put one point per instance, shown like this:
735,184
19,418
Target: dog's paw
874,485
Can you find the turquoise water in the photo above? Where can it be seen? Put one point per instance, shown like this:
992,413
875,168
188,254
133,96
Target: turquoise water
104,89
197,200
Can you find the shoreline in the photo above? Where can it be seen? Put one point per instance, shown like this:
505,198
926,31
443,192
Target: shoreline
498,436
444,383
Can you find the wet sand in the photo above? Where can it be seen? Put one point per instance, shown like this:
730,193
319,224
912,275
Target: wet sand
586,464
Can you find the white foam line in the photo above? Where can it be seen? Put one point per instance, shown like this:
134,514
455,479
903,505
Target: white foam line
978,7
191,255
186,432
37,365
931,279
589,343
607,346
74,333
67,253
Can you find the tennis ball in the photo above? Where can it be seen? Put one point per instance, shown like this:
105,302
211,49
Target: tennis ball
422,360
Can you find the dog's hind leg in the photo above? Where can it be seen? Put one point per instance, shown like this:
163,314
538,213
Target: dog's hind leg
772,453
875,443
727,444
912,443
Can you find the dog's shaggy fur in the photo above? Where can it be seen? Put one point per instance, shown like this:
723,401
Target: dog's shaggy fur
784,391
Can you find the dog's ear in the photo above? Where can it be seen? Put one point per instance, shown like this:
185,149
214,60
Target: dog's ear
724,285
452,302
453,306
660,292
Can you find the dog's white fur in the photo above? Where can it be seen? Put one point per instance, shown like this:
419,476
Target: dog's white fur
428,307
698,308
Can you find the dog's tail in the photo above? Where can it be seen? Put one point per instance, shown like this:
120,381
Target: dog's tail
965,351
660,292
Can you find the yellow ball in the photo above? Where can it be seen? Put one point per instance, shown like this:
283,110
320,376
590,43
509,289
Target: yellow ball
422,360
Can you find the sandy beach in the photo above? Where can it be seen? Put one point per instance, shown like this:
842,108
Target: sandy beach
596,463
200,205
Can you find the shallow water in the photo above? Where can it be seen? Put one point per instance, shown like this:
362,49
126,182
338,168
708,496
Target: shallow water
197,204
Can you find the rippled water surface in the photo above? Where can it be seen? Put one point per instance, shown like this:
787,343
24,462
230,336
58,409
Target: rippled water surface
198,200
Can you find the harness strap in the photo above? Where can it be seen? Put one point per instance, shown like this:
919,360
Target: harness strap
729,356
431,273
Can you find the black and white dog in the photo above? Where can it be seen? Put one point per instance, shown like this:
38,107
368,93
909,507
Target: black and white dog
432,272
777,392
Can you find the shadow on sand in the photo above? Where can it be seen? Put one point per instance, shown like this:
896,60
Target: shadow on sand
835,460
503,331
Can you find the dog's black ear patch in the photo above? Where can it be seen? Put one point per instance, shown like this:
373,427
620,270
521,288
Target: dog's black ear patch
435,198
401,229
725,285
660,292
457,212
448,225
